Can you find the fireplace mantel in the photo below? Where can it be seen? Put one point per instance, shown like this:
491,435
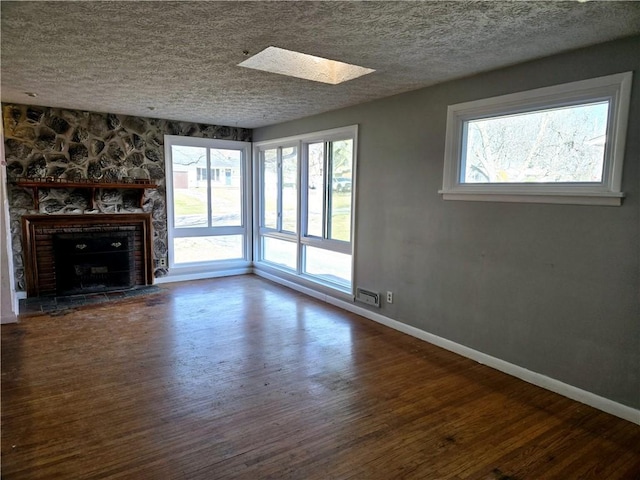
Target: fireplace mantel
36,184
37,238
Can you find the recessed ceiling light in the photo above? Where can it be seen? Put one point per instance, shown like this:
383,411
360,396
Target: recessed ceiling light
31,94
301,65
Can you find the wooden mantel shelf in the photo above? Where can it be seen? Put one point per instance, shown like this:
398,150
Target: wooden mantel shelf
37,184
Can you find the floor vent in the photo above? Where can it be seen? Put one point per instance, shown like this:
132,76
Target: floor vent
368,297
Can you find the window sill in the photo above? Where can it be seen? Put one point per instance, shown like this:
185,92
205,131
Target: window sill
302,278
213,266
346,289
566,198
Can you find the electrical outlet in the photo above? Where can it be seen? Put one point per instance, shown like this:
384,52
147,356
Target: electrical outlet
389,297
162,262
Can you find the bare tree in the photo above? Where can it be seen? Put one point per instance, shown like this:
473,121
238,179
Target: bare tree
555,145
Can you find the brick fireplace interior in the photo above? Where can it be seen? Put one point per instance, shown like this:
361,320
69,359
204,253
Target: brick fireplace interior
78,254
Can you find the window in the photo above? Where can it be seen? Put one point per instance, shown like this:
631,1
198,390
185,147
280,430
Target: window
305,211
329,207
214,174
280,186
207,203
561,144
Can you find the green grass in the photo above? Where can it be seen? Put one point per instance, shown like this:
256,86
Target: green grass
185,204
193,201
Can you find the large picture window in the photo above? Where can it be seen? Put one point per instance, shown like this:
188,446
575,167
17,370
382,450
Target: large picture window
305,211
207,203
561,144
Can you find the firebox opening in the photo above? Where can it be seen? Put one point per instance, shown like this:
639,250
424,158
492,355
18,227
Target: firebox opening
91,262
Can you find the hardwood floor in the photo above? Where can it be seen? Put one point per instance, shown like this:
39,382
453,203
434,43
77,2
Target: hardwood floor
240,378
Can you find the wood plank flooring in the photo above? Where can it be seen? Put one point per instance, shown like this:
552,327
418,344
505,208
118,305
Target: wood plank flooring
238,378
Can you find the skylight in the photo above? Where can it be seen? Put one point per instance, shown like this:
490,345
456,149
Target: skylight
301,65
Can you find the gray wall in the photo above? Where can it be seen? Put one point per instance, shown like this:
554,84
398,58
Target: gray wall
551,288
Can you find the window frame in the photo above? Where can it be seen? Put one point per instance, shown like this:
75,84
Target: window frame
279,230
300,237
616,89
339,246
243,229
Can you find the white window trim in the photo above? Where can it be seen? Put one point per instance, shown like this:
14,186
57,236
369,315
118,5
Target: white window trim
268,231
300,141
614,88
246,227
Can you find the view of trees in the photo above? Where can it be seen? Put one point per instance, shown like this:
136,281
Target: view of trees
548,146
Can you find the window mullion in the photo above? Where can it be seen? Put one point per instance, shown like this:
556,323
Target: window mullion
303,191
280,178
209,192
263,194
326,224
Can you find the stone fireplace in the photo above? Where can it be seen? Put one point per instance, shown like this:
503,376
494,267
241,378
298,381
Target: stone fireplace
98,158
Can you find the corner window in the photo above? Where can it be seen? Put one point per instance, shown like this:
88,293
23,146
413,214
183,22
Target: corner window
305,206
561,144
207,200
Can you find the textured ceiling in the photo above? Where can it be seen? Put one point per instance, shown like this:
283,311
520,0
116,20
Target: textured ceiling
180,58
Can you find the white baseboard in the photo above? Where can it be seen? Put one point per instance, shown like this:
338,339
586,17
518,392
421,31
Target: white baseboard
8,318
183,277
574,393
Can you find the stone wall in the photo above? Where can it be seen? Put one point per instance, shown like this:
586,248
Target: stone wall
74,145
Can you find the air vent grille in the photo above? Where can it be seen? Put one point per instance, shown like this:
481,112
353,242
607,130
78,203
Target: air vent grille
368,297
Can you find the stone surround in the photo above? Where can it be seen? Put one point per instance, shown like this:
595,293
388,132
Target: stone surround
74,145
